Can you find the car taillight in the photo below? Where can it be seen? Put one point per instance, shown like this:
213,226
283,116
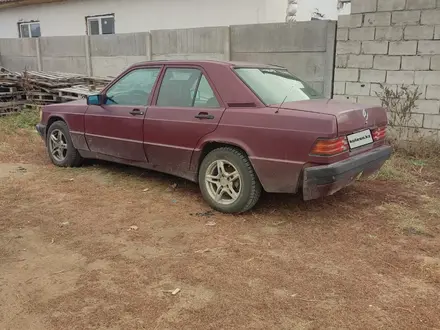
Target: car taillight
379,133
330,147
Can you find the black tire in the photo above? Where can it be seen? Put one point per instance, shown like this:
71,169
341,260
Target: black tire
250,190
72,158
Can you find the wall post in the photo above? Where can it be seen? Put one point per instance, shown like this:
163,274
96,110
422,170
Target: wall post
38,51
149,46
88,56
227,44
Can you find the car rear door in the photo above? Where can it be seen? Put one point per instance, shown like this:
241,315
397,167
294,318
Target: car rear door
115,128
186,108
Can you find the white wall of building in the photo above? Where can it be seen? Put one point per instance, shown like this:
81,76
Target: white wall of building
327,7
68,18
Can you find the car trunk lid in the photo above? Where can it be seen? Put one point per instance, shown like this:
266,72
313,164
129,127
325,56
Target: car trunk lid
350,117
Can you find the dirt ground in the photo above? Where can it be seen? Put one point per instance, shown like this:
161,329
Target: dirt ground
70,258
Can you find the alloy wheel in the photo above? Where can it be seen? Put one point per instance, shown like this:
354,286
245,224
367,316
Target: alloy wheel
223,182
58,145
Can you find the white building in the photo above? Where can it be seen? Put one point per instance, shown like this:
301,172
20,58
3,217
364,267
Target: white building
32,18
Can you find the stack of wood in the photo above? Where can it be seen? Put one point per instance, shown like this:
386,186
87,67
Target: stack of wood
19,90
11,92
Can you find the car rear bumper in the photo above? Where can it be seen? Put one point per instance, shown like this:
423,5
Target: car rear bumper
320,181
41,129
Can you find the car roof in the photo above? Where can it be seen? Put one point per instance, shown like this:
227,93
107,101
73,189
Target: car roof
208,62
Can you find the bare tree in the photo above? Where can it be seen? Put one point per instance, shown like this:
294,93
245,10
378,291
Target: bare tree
317,14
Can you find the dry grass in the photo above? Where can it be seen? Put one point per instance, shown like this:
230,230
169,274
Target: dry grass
366,258
419,146
26,119
395,169
406,218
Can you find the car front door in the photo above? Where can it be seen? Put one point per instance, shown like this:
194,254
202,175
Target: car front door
187,108
115,128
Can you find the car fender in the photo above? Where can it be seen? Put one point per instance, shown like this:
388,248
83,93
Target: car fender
75,125
52,117
211,138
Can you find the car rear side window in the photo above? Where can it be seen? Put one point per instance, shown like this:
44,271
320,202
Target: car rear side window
134,88
273,86
186,88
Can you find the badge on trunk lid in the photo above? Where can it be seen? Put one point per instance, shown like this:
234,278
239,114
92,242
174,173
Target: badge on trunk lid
365,114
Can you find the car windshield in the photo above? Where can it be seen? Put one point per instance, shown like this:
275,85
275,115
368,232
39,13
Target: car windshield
272,86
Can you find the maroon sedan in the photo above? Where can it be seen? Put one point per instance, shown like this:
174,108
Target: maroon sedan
235,128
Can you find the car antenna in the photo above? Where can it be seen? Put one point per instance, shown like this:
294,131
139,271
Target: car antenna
282,104
278,110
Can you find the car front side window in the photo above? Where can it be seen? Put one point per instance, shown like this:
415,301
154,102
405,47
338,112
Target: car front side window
134,88
186,88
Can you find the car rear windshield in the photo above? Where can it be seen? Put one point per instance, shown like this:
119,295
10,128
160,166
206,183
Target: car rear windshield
273,86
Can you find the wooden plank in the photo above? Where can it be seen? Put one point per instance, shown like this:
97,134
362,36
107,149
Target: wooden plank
39,87
4,105
9,111
79,90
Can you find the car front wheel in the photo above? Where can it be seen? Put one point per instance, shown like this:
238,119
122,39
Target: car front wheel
228,181
60,146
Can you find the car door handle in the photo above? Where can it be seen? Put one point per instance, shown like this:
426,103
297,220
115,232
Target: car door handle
136,112
204,115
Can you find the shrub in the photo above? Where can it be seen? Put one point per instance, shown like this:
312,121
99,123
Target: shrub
403,135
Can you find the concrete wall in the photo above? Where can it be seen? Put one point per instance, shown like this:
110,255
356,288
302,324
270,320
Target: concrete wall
306,49
202,43
392,42
68,18
58,53
110,54
18,53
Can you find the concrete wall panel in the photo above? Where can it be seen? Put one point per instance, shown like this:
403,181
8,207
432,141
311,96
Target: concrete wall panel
19,63
307,66
200,40
19,47
280,37
195,56
317,86
114,65
129,44
62,46
73,64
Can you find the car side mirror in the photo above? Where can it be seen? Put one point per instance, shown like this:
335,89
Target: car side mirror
94,99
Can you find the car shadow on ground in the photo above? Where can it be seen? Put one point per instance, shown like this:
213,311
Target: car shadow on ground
269,203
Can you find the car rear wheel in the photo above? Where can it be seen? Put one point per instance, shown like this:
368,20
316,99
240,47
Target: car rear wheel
60,147
228,181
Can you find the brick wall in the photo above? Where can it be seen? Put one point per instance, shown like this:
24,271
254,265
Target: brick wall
391,42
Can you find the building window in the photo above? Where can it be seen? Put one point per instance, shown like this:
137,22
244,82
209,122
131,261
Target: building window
29,30
104,24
